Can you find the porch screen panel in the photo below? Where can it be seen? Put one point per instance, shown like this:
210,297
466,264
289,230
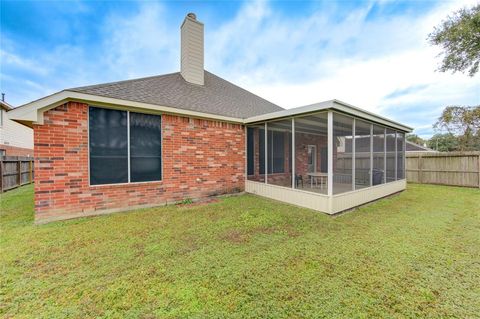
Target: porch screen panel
108,146
378,170
311,153
362,154
279,146
250,150
391,155
342,153
256,153
145,147
400,155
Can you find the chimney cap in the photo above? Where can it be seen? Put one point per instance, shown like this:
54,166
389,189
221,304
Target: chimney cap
192,15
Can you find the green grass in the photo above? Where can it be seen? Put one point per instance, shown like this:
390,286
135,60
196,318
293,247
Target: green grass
412,255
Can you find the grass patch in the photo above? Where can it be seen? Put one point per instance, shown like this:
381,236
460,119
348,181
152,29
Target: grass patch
412,255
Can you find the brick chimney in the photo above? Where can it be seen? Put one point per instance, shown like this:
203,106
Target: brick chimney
191,64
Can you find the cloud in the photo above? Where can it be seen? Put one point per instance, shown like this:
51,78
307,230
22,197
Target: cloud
383,64
367,54
406,91
134,44
141,43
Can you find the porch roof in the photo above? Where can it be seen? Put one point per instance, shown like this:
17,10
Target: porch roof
328,105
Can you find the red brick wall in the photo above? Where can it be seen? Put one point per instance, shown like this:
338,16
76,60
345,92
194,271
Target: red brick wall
200,158
302,140
16,151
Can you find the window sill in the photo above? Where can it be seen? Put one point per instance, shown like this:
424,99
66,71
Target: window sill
125,184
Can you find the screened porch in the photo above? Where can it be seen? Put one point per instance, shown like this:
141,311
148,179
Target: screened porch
324,153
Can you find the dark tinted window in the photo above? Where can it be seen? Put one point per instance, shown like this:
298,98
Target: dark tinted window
276,154
145,147
250,150
108,146
261,148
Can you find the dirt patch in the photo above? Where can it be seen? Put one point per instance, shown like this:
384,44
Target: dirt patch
239,236
235,236
200,202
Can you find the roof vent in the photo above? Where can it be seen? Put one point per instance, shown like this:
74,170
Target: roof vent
192,15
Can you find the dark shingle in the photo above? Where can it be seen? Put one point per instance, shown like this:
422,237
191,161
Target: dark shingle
217,96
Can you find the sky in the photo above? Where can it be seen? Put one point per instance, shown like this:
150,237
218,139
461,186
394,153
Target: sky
372,54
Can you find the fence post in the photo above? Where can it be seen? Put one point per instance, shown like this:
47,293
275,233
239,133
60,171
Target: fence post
1,174
19,167
420,167
479,171
30,170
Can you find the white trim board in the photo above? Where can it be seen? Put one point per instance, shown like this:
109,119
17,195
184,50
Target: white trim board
33,112
330,105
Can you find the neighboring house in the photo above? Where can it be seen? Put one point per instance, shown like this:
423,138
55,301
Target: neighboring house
162,139
15,139
417,148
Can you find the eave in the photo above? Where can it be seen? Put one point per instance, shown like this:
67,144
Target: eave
335,105
32,113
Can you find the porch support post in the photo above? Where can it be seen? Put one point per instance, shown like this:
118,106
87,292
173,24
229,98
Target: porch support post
293,154
353,154
371,154
384,155
396,155
266,153
330,153
405,159
246,153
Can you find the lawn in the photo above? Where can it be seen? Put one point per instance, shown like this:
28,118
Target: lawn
416,254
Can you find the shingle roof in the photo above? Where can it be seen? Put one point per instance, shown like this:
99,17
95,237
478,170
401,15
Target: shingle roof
413,147
217,96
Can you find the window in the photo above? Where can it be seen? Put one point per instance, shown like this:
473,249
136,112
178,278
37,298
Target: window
256,153
110,146
391,144
342,153
3,152
261,150
311,153
145,147
250,151
400,155
362,154
279,153
378,170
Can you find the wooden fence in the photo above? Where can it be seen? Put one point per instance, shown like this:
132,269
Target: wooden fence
15,171
455,168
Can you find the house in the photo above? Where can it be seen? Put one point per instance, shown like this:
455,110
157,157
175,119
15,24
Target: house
15,139
158,140
412,148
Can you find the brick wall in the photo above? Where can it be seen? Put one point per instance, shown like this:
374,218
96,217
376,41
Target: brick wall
200,158
302,140
16,151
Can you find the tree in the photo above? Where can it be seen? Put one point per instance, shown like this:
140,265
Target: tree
459,36
443,142
414,138
462,122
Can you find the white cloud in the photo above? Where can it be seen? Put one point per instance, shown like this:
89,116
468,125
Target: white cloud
299,61
382,64
141,44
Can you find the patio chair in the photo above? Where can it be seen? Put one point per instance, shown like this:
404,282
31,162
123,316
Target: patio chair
298,180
